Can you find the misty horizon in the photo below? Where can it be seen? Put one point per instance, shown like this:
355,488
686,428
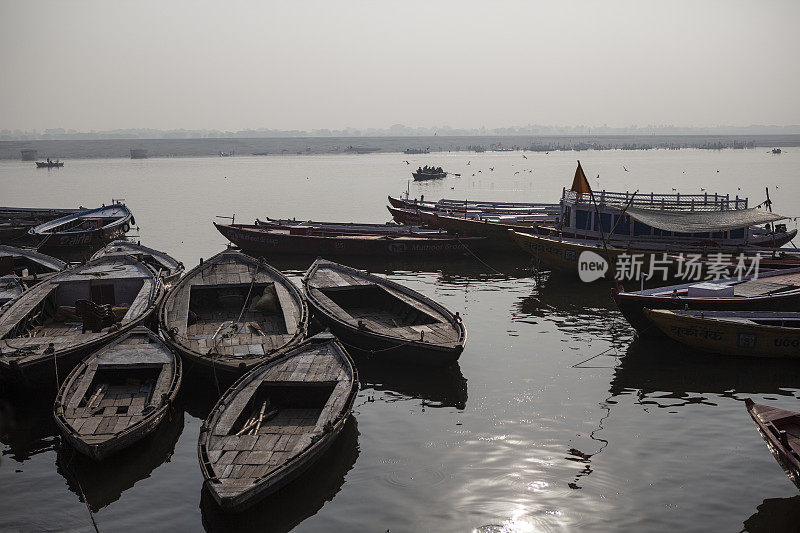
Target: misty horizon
308,66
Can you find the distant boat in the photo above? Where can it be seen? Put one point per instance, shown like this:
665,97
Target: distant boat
776,150
415,151
49,164
138,153
167,267
89,227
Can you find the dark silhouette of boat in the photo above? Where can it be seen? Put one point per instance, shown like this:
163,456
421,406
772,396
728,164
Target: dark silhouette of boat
49,164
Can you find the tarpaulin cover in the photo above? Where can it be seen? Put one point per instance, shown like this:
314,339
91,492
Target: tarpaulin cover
701,221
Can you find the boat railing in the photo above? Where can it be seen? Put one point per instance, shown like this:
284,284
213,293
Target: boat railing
677,201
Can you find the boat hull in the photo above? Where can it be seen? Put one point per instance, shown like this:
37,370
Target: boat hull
267,243
726,337
632,307
367,346
765,418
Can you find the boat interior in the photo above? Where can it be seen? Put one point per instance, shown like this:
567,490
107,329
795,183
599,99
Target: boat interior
278,405
224,317
376,307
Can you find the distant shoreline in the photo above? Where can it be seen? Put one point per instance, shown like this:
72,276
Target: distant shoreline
269,146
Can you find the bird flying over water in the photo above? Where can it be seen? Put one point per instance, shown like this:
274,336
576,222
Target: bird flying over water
406,162
623,168
525,156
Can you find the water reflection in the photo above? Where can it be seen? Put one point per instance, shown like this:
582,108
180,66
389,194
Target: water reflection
667,375
103,482
27,425
302,498
574,307
775,514
437,387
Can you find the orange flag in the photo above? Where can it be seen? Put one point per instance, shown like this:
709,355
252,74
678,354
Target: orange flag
580,184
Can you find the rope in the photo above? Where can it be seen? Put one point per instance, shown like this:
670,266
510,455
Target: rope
490,267
78,483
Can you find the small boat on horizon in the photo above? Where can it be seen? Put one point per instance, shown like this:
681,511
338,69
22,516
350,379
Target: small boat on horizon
428,173
48,329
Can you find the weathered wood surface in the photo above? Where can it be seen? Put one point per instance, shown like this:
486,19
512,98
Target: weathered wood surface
99,415
442,330
235,335
36,310
240,468
169,267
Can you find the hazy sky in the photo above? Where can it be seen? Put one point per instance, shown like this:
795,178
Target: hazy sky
335,64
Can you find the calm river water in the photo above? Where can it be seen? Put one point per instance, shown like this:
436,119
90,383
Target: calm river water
517,438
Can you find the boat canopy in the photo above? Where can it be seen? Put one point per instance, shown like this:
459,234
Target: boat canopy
701,221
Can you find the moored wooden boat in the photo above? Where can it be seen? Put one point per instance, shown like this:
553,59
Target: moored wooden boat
49,164
47,330
16,221
780,429
343,227
261,240
118,395
777,290
167,267
426,175
89,227
383,319
748,333
231,313
28,263
276,421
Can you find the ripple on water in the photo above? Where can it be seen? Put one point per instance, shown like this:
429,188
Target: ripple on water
416,476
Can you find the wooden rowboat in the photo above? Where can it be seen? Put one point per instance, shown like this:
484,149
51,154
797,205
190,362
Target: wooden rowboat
780,429
750,333
276,421
266,241
88,227
118,395
384,320
53,325
169,269
778,290
231,313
